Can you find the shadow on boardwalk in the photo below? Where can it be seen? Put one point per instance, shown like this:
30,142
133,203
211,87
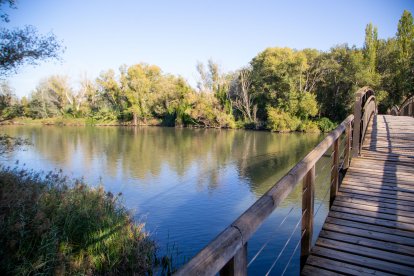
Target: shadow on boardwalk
370,228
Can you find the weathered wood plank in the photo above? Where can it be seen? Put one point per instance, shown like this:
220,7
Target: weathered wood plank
375,209
367,242
375,233
366,251
363,261
374,202
372,220
317,263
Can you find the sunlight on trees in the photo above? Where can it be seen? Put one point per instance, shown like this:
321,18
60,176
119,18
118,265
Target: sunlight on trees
281,89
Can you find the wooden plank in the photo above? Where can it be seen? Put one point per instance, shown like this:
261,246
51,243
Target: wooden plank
368,242
374,221
398,194
366,251
401,198
311,270
318,262
376,209
374,228
378,182
363,261
375,202
378,215
367,196
390,172
380,186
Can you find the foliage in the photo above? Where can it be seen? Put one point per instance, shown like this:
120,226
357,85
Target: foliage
293,85
309,127
326,125
25,46
51,226
281,121
21,46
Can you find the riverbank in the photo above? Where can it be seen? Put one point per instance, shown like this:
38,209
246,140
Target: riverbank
284,125
52,225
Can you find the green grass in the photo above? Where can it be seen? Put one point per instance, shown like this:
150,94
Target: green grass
49,225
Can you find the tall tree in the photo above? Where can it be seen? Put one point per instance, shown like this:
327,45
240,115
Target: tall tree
139,83
371,47
405,44
241,95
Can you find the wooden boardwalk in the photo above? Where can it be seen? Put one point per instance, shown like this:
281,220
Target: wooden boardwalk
370,227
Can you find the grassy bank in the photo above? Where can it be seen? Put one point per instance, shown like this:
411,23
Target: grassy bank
49,225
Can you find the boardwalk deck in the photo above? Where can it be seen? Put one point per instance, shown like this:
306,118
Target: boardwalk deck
370,228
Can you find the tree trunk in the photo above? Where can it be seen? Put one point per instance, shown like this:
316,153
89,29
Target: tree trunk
135,119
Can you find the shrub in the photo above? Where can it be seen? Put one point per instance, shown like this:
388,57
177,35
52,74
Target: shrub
309,127
326,125
49,225
281,121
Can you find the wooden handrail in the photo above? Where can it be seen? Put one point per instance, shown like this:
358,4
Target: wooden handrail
227,253
406,109
365,106
395,111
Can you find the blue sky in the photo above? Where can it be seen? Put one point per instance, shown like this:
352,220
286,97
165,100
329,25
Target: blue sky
102,34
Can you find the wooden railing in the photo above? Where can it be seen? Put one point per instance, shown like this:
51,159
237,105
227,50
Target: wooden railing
365,106
227,253
406,109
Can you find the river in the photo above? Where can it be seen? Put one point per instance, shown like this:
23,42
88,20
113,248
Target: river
187,185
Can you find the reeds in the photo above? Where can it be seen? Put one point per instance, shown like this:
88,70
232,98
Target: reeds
50,225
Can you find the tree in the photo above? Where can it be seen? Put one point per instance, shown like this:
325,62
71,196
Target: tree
4,16
371,47
24,46
242,98
405,44
9,105
140,82
52,97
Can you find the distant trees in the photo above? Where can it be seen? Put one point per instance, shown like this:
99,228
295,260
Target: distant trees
281,89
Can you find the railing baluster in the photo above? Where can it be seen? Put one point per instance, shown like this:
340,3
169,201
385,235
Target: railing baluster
334,172
308,189
237,265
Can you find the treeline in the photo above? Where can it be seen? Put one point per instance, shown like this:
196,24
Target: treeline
281,89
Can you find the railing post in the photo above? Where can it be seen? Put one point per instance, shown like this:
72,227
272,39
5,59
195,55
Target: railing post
237,265
348,133
357,125
334,172
308,189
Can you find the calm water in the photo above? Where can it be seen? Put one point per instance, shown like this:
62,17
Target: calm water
186,184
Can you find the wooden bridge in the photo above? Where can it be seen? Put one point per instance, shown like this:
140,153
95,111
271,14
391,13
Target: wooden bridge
370,225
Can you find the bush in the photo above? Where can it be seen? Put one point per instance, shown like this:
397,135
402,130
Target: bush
326,125
280,121
309,127
50,226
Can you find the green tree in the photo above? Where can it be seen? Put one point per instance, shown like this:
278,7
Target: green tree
108,104
405,44
140,85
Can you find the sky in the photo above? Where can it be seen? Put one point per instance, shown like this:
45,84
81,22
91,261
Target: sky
175,35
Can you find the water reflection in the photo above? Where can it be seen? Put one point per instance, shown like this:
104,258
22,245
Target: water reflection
191,183
260,157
